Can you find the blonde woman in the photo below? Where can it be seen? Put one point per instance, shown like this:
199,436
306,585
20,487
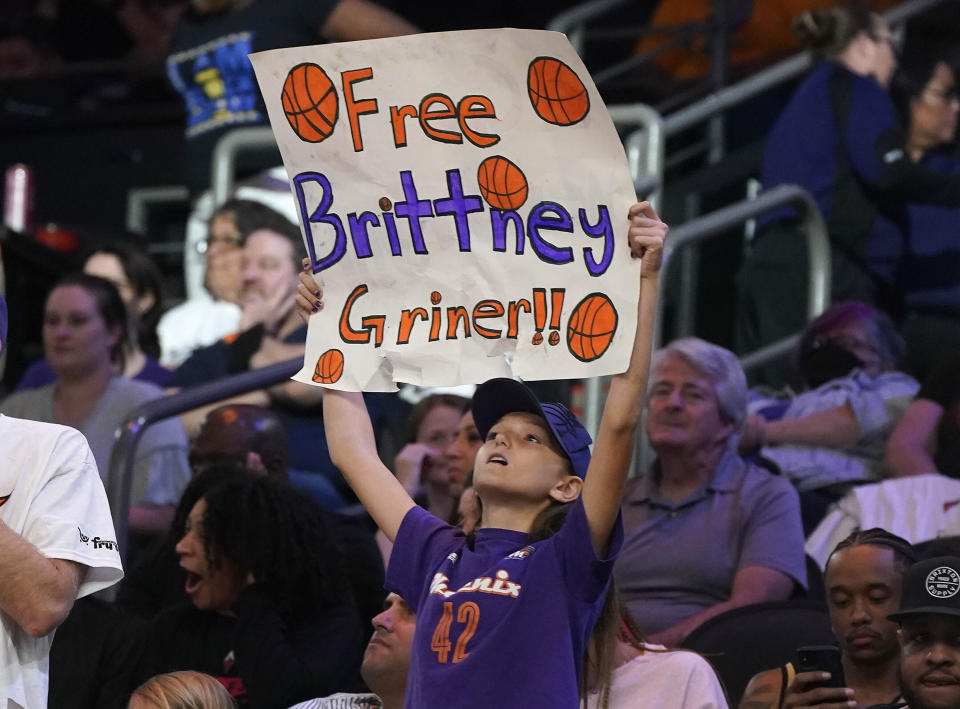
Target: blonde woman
181,690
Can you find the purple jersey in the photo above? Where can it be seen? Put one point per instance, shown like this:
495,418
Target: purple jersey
505,624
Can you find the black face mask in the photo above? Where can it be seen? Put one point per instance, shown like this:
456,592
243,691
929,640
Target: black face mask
827,361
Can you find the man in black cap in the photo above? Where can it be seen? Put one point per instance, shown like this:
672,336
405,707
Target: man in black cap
929,618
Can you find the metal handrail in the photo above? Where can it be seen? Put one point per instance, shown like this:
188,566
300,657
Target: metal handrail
702,228
572,22
812,224
120,472
139,198
224,158
645,147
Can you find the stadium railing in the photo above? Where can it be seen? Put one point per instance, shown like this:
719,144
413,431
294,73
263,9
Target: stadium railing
574,22
120,473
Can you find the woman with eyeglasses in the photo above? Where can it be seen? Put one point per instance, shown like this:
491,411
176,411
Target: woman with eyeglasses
840,139
832,435
202,321
925,90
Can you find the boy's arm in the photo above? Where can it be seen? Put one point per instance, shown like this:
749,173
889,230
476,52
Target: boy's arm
613,449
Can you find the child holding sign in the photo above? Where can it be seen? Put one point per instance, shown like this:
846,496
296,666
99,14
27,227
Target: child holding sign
503,618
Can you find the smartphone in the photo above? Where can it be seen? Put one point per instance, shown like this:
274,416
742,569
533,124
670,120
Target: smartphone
822,658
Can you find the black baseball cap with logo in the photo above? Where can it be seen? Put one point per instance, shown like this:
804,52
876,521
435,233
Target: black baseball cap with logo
931,586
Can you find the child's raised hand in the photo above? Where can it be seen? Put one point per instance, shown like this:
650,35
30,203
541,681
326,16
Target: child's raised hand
646,235
309,295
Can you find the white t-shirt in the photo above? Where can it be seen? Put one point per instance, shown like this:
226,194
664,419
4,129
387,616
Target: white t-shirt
678,679
51,495
195,323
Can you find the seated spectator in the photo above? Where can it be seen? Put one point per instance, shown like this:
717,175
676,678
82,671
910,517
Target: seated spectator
181,690
705,531
251,436
215,313
271,332
833,434
84,331
272,614
385,662
929,618
423,465
622,671
863,580
140,285
927,438
925,89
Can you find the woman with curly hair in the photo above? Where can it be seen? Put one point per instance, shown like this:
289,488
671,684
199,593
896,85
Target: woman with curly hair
272,615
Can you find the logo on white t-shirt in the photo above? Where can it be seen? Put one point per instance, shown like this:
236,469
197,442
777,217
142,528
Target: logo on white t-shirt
943,582
97,542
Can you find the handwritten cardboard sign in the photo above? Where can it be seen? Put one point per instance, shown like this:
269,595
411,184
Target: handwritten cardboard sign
464,198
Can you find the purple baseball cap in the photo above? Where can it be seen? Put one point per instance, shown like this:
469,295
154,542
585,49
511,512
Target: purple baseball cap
496,398
3,322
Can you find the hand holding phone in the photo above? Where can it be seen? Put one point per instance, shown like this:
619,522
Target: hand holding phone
822,658
819,681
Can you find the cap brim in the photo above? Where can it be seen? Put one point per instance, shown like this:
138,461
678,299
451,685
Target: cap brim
496,398
924,610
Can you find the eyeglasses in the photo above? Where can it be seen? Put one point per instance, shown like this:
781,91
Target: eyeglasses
948,95
204,245
887,39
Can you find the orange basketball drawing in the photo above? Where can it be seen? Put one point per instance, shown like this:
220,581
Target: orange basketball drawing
537,338
310,102
435,298
556,92
502,184
554,338
591,327
329,367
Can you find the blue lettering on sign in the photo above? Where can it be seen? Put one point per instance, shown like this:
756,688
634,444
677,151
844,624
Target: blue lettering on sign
320,216
459,206
549,216
315,200
603,229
